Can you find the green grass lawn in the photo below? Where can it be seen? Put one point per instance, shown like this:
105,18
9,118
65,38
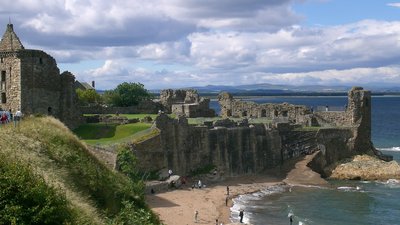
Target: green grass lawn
201,120
129,116
103,134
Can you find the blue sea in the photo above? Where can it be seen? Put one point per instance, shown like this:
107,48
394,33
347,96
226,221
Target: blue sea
342,202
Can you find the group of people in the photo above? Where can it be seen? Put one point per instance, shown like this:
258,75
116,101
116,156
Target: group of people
7,117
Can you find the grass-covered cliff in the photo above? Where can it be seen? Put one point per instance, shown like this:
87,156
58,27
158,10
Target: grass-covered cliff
47,176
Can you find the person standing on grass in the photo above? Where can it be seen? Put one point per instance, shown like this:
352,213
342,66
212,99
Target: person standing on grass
4,118
11,116
17,117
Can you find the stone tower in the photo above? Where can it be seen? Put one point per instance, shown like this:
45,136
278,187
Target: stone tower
31,81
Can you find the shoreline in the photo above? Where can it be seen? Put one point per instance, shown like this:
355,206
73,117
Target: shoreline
178,206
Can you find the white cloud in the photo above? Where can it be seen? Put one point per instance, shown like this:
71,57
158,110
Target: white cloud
190,42
394,4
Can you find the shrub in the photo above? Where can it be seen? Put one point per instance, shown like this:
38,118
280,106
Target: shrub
25,198
131,215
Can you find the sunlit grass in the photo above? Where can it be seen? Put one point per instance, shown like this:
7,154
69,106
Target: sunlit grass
93,191
129,116
101,133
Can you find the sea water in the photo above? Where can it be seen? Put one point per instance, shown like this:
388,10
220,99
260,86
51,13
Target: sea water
341,202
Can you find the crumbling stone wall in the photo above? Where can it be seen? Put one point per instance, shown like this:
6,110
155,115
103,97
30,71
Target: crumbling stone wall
231,107
31,82
184,148
251,148
357,114
186,102
358,111
143,107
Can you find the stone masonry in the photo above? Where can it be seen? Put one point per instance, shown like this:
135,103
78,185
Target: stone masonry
31,82
186,102
242,147
231,107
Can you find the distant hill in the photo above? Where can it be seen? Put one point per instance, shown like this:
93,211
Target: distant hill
273,89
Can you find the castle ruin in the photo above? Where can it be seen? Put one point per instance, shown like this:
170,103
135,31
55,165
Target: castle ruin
186,102
237,147
31,82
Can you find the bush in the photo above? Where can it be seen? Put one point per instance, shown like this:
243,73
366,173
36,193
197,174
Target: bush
131,215
126,162
25,198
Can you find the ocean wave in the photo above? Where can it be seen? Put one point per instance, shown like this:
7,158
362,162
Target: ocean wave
243,201
346,188
310,186
391,183
274,189
392,149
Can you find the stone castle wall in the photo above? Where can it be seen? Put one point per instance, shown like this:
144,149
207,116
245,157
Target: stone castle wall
9,86
185,102
231,107
40,83
184,148
143,107
31,82
358,111
239,147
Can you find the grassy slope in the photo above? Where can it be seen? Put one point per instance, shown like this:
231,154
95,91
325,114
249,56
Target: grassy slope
100,133
51,151
129,116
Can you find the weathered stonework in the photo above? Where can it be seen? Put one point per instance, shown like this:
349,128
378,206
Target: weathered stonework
185,148
231,107
186,102
31,82
143,107
242,147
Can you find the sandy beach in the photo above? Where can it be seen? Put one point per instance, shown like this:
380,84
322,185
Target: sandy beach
177,207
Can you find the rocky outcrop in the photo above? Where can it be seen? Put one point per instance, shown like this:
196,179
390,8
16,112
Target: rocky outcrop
365,167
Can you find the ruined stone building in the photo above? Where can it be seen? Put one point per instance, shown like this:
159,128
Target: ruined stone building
243,147
186,102
31,82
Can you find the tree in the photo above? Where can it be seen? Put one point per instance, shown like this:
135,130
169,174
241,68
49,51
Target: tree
127,94
88,96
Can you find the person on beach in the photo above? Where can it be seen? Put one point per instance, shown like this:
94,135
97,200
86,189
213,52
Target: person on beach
227,190
241,214
216,221
169,173
199,184
196,214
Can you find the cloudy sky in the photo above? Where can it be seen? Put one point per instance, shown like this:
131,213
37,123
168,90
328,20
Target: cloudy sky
181,43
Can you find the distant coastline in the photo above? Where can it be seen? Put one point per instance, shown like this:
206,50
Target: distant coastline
288,94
